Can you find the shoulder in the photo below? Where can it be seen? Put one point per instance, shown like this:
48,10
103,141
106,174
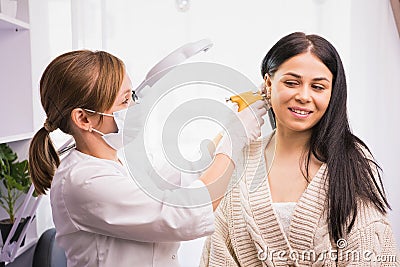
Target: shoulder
82,180
79,161
78,168
368,215
372,232
364,150
255,149
261,141
369,223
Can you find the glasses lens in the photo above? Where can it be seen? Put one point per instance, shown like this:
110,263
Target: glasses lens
134,96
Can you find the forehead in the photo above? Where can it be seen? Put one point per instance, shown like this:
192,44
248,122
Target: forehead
305,65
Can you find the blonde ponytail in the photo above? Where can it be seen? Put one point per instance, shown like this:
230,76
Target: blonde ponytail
43,161
76,79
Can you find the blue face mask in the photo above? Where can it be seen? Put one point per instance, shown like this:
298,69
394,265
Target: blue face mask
114,140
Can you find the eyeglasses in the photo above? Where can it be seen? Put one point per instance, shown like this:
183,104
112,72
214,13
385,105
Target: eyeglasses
135,98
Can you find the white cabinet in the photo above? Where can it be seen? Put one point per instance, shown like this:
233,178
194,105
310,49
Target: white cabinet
16,105
16,91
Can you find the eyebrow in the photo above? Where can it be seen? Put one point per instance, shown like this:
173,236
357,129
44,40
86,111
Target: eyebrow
299,77
121,96
127,91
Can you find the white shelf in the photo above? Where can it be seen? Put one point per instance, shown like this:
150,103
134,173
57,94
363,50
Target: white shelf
16,78
17,137
9,23
16,90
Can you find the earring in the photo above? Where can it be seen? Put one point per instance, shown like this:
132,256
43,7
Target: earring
268,96
268,93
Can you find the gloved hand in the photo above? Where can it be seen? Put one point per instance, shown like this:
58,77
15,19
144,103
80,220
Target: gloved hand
243,128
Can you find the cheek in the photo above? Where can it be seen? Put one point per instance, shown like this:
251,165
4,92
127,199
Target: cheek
322,101
107,125
278,97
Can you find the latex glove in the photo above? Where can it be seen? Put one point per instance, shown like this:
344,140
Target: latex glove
243,128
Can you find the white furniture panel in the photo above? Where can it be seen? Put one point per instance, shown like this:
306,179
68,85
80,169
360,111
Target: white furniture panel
16,106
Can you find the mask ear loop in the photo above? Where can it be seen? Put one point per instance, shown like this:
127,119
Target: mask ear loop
100,113
96,131
91,129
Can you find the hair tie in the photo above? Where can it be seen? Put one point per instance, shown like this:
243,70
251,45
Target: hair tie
48,126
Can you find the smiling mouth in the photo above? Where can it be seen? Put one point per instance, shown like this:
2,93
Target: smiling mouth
300,112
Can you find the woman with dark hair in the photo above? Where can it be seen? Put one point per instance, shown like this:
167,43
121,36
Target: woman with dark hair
311,192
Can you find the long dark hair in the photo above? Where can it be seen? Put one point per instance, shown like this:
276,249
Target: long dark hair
353,173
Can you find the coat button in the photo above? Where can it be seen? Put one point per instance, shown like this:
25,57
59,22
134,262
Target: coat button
173,256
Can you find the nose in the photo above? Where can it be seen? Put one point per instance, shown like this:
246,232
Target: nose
303,94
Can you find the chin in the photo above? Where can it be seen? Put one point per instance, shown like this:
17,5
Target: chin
300,128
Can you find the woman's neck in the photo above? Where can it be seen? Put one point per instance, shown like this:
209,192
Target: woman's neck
95,147
290,142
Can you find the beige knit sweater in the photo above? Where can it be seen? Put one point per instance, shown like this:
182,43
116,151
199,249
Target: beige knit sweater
248,233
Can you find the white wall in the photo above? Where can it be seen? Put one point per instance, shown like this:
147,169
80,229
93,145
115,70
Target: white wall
374,90
142,32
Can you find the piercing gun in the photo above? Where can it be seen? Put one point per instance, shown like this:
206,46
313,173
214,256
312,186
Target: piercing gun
245,99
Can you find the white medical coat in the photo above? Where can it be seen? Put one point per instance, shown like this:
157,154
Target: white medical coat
103,218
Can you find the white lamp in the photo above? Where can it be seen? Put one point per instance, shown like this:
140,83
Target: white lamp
175,58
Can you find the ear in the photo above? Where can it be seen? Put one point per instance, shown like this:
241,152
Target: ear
267,80
81,119
268,89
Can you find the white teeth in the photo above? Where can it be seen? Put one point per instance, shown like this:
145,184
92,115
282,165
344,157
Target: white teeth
302,112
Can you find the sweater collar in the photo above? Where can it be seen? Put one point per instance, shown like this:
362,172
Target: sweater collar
253,200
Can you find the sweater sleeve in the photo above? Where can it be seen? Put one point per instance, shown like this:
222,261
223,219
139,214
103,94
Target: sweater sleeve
217,250
370,245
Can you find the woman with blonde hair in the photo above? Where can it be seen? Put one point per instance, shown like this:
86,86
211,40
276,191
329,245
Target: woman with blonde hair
102,217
